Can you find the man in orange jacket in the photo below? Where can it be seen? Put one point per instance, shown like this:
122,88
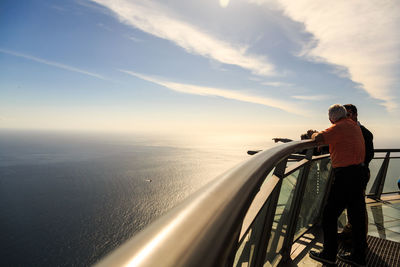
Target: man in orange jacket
347,149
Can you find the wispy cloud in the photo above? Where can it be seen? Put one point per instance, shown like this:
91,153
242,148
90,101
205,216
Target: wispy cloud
58,8
157,20
51,63
270,83
277,84
359,35
225,93
133,38
101,25
312,97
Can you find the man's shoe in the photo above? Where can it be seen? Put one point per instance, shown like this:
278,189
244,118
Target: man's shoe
349,258
342,236
321,257
346,243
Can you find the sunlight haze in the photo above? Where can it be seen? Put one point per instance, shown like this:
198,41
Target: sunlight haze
252,68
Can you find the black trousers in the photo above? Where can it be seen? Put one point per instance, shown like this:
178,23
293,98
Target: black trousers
346,192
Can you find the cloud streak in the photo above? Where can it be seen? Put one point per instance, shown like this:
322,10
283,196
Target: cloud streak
51,63
277,84
156,20
312,97
229,94
360,35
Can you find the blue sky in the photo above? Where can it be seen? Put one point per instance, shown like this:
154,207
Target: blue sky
259,68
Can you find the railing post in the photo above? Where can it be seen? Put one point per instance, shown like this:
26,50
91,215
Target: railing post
379,182
272,203
295,207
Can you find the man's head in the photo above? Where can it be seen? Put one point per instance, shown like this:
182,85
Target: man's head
351,111
336,112
310,133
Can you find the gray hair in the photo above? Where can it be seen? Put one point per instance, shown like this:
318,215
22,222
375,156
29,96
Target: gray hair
337,112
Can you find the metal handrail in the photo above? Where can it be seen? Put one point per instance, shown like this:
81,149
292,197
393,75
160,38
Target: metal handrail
383,150
203,230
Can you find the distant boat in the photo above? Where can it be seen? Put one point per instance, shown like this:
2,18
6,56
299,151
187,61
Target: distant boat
148,180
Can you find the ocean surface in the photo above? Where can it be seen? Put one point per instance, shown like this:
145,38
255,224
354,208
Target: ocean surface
69,199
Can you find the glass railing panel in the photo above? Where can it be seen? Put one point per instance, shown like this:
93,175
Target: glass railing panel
314,193
256,205
255,217
294,159
374,167
245,254
281,218
392,176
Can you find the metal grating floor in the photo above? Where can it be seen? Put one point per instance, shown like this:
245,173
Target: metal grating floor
381,253
383,237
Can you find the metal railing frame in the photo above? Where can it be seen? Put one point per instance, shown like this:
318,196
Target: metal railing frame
272,202
379,181
304,164
204,230
296,205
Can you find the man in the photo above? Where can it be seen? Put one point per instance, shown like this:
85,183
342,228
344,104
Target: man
347,149
368,136
369,154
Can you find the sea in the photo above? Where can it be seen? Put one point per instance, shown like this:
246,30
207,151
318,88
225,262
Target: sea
68,199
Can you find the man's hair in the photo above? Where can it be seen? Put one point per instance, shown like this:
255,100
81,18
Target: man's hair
351,107
337,112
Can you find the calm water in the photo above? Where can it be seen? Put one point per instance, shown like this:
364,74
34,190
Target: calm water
68,200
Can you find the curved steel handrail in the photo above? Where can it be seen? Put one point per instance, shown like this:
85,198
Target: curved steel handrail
203,229
384,150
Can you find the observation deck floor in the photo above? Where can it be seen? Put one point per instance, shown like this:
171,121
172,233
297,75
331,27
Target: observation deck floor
383,236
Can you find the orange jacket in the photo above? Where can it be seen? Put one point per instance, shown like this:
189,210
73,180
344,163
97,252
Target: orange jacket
346,143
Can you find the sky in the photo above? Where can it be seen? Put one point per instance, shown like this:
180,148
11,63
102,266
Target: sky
256,68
